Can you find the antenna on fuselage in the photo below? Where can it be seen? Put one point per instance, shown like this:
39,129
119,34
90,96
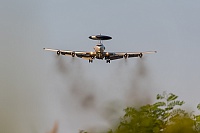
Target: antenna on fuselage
100,41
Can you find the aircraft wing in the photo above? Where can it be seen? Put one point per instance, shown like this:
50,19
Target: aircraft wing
80,54
91,55
119,55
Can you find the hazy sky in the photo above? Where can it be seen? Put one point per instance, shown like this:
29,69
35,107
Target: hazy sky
38,88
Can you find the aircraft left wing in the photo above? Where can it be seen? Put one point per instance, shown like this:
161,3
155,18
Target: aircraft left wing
119,55
80,54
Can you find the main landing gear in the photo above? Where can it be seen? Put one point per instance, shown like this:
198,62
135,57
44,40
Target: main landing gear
90,60
108,61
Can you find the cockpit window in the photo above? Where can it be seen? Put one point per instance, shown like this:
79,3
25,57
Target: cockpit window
99,45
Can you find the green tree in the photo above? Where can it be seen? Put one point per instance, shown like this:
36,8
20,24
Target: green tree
164,116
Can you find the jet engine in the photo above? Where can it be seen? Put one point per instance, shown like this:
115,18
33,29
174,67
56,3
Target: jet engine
58,52
126,56
140,55
73,54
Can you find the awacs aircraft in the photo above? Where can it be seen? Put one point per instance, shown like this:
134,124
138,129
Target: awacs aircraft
99,51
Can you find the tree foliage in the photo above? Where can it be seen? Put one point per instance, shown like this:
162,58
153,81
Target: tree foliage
164,116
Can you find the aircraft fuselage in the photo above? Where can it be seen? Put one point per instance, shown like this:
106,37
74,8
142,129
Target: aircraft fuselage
99,50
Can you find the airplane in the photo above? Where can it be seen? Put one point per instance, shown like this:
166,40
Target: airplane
99,51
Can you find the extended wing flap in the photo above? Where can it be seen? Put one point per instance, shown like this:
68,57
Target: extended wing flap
66,53
134,54
115,57
79,54
139,54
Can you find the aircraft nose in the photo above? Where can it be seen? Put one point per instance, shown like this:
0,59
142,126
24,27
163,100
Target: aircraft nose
102,48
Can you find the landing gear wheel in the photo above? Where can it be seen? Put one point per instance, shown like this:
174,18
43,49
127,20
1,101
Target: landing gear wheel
90,61
108,61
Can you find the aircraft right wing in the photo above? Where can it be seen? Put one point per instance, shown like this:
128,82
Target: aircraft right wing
80,54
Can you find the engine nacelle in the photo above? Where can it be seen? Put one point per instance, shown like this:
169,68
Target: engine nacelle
58,52
140,55
73,54
126,56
